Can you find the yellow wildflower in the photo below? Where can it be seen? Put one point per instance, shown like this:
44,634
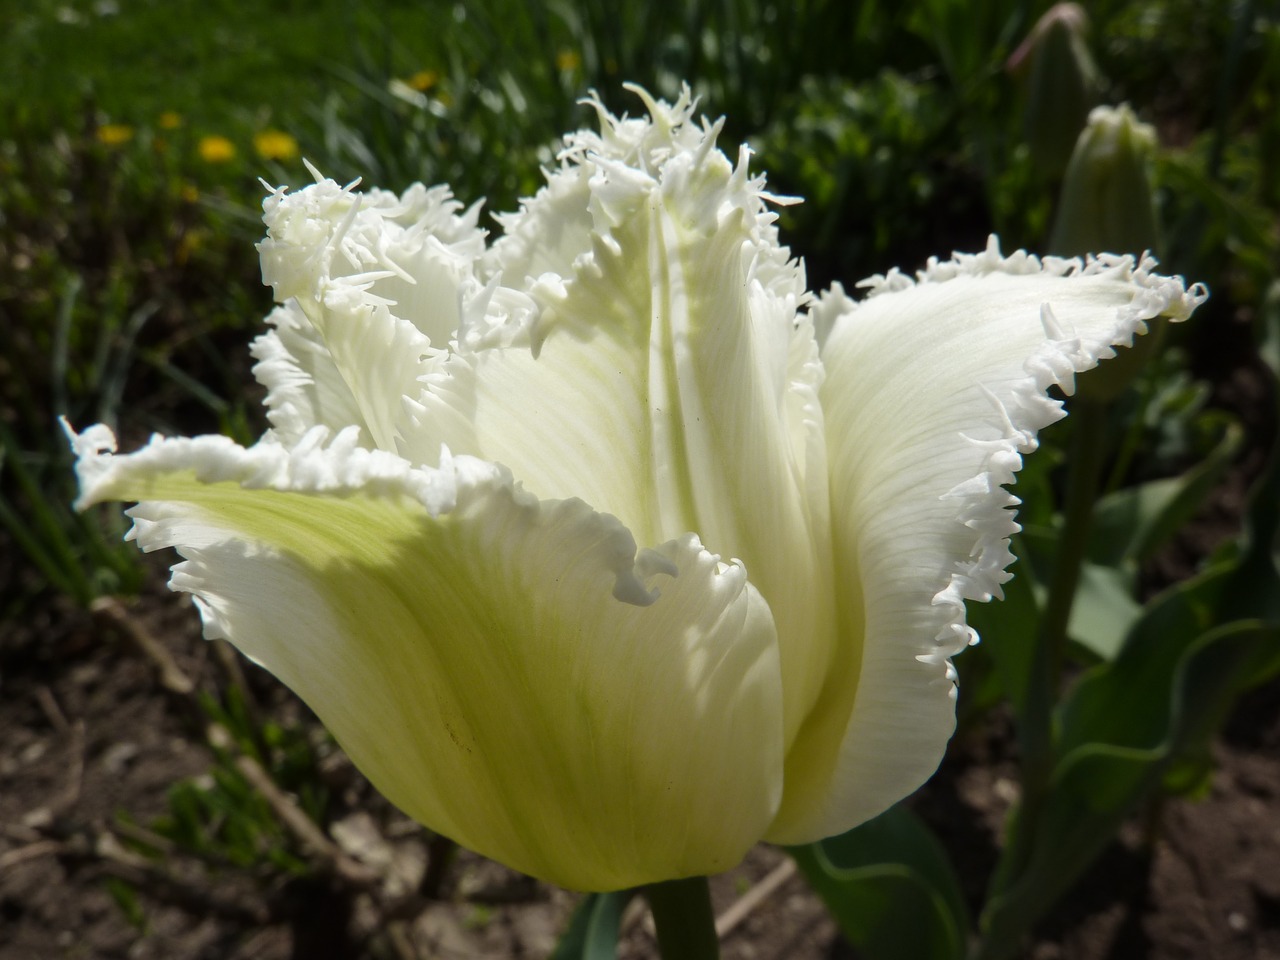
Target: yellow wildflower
216,149
568,60
424,80
275,145
170,120
114,134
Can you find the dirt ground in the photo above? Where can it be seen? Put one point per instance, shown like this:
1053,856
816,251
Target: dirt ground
88,731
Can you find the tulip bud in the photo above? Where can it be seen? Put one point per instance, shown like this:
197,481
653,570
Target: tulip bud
1062,84
1107,204
1106,201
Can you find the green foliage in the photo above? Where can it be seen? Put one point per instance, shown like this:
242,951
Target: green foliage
890,886
114,294
127,901
593,931
1163,671
226,820
221,817
81,555
1131,524
840,147
1129,728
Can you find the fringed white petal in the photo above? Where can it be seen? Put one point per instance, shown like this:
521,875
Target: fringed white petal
510,672
554,227
374,287
413,251
667,377
548,232
305,388
935,388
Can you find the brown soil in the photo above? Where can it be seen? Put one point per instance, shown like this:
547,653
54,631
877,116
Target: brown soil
88,733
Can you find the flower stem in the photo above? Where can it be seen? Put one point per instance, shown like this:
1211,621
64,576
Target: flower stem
684,920
1036,733
1003,928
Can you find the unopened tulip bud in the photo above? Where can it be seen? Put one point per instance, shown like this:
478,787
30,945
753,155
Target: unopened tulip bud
1106,201
1107,204
1062,84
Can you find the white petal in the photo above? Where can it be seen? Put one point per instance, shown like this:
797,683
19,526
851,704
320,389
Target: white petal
550,230
510,672
374,286
305,388
933,391
668,379
412,251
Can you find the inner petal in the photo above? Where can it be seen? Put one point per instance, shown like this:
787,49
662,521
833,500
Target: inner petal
669,381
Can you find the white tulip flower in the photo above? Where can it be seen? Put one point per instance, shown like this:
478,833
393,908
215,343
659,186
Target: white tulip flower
608,550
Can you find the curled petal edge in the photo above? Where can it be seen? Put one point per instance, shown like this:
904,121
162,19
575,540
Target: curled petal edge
476,668
1064,353
339,467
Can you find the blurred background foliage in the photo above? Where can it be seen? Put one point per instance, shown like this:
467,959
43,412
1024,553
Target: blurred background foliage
133,134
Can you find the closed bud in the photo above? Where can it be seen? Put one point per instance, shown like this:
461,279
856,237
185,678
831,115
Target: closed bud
1062,84
1107,205
1106,202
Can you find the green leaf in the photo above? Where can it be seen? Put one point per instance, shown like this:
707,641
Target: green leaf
890,887
1133,523
126,898
593,931
1127,702
1255,589
1086,806
1146,718
1104,610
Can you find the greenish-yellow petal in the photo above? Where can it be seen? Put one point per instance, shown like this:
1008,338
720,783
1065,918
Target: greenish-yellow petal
511,672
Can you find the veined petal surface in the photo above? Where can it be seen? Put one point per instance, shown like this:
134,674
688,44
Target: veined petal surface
508,671
667,378
934,390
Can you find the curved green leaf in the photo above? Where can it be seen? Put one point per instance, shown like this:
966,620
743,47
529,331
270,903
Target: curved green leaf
1127,726
1104,610
891,888
1132,523
593,931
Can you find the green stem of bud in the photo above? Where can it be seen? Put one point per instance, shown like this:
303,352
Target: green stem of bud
1036,729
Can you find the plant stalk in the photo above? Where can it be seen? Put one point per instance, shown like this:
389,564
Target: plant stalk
684,920
1036,739
1036,730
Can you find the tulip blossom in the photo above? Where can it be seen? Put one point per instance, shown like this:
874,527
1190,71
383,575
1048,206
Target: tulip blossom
605,548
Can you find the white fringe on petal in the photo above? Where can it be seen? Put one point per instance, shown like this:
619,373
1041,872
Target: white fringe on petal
334,466
983,504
